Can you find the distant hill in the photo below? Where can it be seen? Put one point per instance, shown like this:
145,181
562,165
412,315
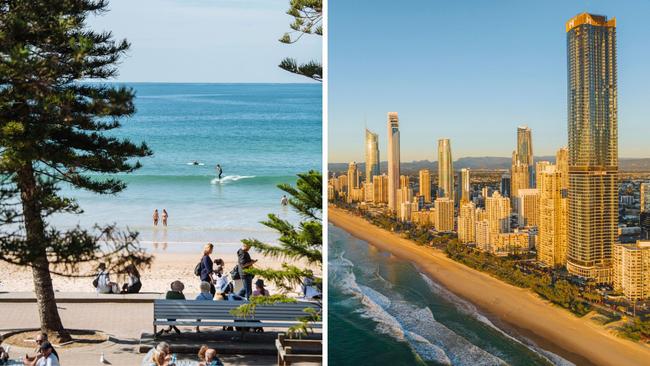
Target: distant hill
486,163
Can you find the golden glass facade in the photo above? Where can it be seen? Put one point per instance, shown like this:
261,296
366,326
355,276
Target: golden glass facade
445,170
425,185
372,155
393,160
593,145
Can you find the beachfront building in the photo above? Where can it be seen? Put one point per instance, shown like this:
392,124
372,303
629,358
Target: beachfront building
483,235
426,218
368,194
519,177
331,193
353,180
497,210
593,145
632,269
393,160
467,223
525,152
445,170
528,207
405,211
552,228
425,185
504,244
372,155
380,188
463,194
445,211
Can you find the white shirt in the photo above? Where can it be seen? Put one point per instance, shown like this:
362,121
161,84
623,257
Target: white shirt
51,360
222,283
102,283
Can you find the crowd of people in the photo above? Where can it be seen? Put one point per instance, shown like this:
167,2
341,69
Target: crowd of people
163,356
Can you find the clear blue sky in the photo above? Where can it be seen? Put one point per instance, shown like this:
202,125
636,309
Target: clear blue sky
472,71
205,40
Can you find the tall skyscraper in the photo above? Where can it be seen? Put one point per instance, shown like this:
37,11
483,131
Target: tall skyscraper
528,207
519,177
467,223
552,230
445,170
380,188
445,211
525,152
645,197
393,160
497,209
593,145
463,186
372,155
505,185
644,215
353,179
425,185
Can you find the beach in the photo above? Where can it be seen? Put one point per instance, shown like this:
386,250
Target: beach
552,328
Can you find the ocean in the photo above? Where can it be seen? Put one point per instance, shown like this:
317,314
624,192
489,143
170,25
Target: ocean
383,310
261,134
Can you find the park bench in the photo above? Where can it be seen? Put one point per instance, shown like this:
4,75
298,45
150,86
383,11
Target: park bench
298,350
217,314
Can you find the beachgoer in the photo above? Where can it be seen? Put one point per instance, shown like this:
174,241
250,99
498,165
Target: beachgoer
162,356
176,293
244,261
165,215
210,358
219,171
31,361
155,217
310,290
284,200
207,268
4,355
134,285
218,278
103,281
205,295
260,290
48,357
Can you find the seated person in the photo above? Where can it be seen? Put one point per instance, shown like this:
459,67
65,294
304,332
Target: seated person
31,361
103,282
218,278
49,357
209,357
176,293
260,290
162,356
310,290
4,356
205,292
134,285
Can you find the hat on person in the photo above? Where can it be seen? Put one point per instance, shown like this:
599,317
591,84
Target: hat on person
46,345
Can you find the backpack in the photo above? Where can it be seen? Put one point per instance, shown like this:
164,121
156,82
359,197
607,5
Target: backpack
234,273
197,269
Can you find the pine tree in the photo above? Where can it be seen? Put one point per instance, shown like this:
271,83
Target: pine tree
56,131
307,17
298,244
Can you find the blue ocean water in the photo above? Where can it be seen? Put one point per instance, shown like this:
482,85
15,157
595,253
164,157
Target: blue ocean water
383,310
261,134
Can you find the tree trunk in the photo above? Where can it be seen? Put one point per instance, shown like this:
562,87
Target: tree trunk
35,232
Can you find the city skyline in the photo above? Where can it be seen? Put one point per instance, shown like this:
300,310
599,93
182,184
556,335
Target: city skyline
478,120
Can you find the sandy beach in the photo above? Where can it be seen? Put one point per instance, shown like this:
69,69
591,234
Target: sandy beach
166,267
553,328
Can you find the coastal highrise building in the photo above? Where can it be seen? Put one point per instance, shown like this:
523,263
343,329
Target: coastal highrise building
644,214
445,211
380,188
525,152
465,188
519,177
372,155
593,145
552,229
497,209
425,185
353,179
483,235
505,185
562,163
445,170
393,160
467,223
632,270
528,207
404,181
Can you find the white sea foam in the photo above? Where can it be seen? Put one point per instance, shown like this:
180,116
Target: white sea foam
230,178
469,309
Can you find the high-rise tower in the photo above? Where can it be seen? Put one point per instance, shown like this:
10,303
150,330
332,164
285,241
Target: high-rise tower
525,152
372,155
425,185
393,160
445,170
593,145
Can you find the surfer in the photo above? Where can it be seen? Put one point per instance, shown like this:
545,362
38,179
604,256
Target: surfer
219,171
195,162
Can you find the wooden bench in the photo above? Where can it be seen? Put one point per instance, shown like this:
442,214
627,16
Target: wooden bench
298,350
217,314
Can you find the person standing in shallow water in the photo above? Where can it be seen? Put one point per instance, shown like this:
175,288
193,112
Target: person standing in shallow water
164,217
155,217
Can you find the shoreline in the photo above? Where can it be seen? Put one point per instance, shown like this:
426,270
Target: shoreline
509,307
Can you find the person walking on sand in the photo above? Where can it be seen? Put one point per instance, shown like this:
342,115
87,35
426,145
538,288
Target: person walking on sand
219,171
165,215
155,217
284,200
244,261
207,267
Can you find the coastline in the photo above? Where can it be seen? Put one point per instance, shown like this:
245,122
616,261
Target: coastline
552,328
